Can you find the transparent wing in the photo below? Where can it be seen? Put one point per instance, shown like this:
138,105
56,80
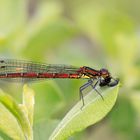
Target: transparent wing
20,66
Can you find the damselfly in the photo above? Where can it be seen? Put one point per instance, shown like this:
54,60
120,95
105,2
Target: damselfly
26,71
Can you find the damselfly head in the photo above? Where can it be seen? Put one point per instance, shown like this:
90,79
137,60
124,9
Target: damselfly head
106,79
109,81
104,73
113,82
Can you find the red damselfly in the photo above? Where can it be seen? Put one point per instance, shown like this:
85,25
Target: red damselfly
26,71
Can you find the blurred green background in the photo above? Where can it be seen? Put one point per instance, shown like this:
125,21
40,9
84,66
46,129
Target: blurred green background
92,33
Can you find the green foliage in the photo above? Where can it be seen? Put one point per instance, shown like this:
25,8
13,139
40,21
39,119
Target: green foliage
79,118
16,120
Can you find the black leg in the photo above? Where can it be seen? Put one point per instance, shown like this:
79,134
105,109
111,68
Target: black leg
94,87
89,83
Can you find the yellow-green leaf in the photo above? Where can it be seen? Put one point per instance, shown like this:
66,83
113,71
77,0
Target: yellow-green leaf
15,120
94,110
28,101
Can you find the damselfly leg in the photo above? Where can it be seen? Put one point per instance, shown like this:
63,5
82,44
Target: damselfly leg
83,87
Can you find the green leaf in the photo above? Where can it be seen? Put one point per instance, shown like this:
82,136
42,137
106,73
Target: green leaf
16,120
94,110
28,102
8,122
